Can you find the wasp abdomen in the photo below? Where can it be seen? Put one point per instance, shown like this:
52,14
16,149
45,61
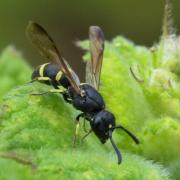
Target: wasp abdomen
50,70
51,75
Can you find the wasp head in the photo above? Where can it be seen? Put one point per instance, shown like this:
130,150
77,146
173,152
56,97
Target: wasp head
103,125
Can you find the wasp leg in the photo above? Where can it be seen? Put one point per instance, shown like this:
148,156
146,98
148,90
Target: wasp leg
46,92
33,80
87,134
84,125
77,128
39,94
66,97
39,79
84,121
79,116
76,133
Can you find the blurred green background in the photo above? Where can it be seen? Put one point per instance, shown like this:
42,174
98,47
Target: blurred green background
67,21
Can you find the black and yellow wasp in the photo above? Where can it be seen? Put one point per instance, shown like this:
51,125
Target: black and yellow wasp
83,96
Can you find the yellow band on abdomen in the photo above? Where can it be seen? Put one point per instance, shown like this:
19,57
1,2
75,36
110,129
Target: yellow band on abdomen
41,69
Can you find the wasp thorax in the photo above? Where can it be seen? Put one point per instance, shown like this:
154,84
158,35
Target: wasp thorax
89,102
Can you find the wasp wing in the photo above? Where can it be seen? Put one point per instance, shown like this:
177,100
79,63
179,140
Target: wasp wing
47,48
89,74
93,67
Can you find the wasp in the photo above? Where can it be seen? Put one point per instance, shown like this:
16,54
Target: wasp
83,96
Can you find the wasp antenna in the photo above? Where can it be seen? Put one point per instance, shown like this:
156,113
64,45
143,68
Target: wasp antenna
136,140
115,147
168,23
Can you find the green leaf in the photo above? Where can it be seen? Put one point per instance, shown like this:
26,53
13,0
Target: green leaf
14,70
36,135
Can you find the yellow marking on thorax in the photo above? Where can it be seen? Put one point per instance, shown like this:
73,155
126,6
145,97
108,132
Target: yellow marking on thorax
58,75
41,69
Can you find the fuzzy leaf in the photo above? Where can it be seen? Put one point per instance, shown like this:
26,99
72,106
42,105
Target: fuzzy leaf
36,135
